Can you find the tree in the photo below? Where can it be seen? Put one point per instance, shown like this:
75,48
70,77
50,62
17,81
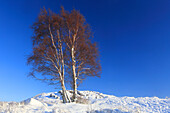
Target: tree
83,53
63,49
47,57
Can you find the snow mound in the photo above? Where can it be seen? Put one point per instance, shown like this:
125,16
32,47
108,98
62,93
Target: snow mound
33,102
88,102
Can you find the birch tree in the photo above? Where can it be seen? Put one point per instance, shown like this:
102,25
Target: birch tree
47,57
84,57
62,45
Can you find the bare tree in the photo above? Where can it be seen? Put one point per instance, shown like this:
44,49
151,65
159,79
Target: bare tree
47,57
62,45
82,54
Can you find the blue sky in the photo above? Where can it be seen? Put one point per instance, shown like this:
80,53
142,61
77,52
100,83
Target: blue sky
133,38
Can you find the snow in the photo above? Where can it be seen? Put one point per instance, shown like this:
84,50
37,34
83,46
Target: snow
33,102
88,102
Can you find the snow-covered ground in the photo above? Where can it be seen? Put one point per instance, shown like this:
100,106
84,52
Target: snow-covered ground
89,102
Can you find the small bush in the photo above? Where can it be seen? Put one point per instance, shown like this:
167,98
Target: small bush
82,100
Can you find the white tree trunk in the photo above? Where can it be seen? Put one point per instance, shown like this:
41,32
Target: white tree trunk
65,97
74,75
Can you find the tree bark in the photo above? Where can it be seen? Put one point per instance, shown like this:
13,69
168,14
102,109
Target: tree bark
74,75
65,97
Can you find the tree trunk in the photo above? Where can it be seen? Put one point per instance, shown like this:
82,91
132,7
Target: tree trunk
74,75
65,97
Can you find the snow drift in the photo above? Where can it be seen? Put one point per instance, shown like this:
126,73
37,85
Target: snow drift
88,102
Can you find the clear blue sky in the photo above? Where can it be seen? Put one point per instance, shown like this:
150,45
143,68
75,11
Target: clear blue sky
133,38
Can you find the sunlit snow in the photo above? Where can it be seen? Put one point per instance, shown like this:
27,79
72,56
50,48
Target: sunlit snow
89,102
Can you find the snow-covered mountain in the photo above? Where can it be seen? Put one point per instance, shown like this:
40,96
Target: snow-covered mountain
88,102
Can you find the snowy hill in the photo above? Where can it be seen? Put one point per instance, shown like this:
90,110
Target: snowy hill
88,102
